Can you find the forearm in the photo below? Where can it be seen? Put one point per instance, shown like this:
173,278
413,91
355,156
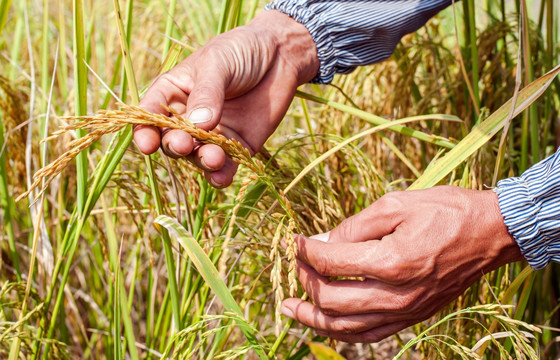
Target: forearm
530,205
353,33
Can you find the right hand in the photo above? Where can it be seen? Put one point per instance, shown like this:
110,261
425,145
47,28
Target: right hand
240,85
417,250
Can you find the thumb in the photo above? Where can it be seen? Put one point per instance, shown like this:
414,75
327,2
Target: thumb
206,99
373,223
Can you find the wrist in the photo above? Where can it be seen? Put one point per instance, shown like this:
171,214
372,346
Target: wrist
295,46
506,249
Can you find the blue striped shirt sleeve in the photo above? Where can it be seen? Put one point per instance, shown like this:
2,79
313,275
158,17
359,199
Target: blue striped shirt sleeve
530,205
351,33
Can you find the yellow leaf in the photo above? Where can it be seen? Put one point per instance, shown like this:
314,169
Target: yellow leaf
323,352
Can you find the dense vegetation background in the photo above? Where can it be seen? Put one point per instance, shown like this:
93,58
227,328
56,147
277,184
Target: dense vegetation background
85,274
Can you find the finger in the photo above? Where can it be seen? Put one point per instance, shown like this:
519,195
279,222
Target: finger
165,90
222,178
363,259
374,222
351,297
310,315
168,89
218,174
208,157
373,335
147,138
177,143
206,99
218,168
155,97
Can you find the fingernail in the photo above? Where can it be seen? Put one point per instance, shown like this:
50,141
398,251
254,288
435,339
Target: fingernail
200,115
214,183
206,167
324,237
287,312
172,151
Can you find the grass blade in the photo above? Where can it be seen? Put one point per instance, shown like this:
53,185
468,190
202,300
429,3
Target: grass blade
169,28
377,120
80,84
131,79
231,11
210,274
4,8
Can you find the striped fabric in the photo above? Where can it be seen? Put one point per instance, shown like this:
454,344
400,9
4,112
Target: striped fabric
350,33
530,205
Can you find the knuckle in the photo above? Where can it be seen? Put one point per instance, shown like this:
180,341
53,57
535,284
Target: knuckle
411,303
205,92
393,269
392,202
345,229
322,265
165,78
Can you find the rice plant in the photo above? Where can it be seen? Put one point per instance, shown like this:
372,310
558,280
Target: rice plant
107,253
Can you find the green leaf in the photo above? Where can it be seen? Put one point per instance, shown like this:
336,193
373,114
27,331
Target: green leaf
210,274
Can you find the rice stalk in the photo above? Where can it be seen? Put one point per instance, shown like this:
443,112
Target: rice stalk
112,121
41,240
463,67
470,24
276,274
14,117
11,142
482,133
423,78
63,68
507,122
490,311
225,245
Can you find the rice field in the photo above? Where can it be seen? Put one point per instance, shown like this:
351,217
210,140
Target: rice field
110,254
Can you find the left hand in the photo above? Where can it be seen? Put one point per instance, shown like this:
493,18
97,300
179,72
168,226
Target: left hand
417,251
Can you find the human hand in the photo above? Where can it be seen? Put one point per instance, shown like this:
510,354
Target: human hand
418,251
240,85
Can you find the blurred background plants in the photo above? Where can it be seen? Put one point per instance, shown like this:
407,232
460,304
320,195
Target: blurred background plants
85,274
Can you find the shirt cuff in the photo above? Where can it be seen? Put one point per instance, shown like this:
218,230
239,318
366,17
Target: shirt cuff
530,205
319,32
